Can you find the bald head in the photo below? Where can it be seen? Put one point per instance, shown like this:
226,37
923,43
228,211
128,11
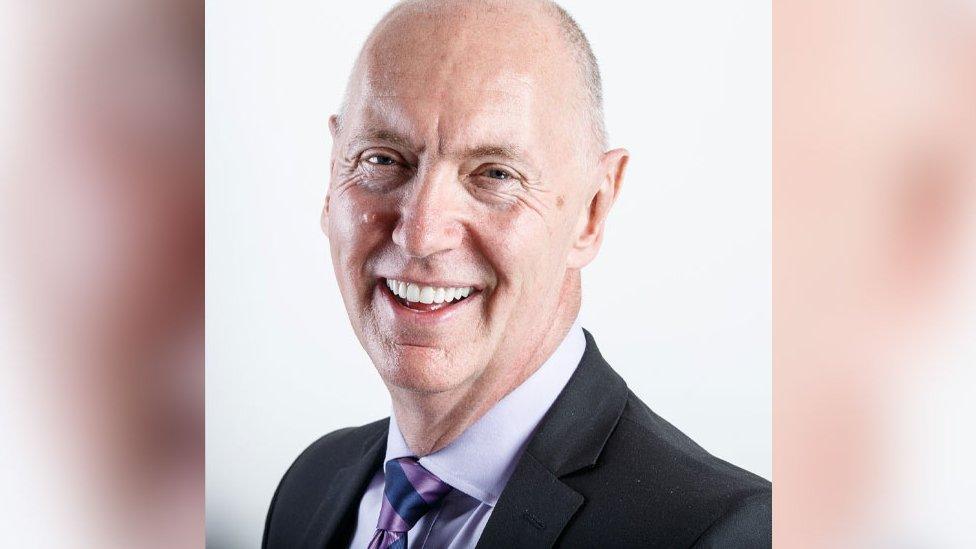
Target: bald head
539,27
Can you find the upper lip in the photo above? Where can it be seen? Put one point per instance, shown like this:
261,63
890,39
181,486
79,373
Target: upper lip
435,283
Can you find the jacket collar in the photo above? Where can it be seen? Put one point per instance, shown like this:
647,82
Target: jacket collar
536,505
573,433
335,518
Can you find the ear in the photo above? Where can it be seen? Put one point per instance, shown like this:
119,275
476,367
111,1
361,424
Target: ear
324,220
589,228
334,132
334,126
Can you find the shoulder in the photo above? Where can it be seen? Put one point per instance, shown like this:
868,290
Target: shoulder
314,471
663,486
746,523
643,432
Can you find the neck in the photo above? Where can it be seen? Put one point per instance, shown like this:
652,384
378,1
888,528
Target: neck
431,421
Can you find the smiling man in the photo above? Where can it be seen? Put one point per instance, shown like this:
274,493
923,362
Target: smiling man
470,185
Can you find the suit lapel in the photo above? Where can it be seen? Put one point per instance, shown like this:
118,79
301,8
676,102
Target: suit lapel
337,512
533,509
536,505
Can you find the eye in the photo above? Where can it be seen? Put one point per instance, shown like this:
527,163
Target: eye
381,160
498,173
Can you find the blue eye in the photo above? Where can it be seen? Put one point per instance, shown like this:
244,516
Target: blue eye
495,173
381,160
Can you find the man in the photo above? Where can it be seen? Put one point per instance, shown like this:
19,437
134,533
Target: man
469,188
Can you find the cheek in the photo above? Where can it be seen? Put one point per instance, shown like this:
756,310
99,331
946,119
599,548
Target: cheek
359,223
521,248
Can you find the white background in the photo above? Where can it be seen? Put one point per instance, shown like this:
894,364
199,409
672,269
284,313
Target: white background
679,299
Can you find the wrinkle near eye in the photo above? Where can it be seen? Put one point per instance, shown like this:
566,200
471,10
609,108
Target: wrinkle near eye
343,184
346,163
534,201
528,196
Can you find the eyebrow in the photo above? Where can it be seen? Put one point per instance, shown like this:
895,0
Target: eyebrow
382,135
510,152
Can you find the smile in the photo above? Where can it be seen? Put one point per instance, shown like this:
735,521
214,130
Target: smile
426,298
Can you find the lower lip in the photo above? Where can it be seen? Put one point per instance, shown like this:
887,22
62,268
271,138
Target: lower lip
441,314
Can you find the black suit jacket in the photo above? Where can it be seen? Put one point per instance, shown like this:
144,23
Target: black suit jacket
602,470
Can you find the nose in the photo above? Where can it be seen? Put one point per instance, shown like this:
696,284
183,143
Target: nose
429,215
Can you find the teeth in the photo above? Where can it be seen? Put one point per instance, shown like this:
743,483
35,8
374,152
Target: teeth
413,292
426,294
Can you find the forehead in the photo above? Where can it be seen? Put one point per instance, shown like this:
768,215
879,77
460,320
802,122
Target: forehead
476,75
462,111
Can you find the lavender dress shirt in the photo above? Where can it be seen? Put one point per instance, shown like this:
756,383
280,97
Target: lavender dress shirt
479,463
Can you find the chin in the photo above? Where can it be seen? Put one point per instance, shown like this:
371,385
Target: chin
423,369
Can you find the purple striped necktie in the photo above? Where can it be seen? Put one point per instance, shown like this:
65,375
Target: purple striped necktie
410,491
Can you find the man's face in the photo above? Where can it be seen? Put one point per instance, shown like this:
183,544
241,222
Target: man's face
458,171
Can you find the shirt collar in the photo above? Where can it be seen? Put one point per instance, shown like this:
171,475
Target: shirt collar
481,460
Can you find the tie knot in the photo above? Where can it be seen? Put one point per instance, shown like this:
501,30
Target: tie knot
410,492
